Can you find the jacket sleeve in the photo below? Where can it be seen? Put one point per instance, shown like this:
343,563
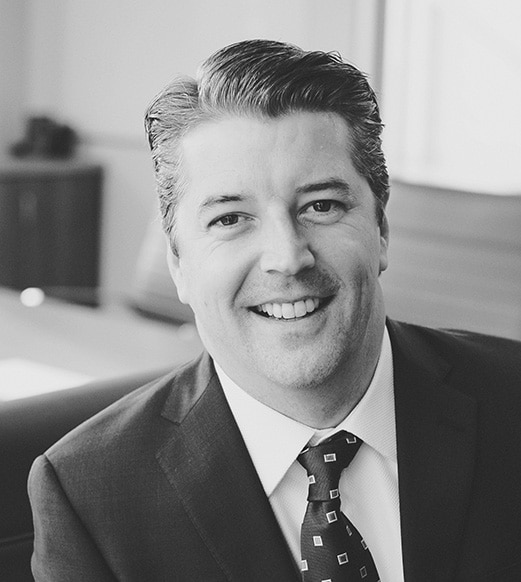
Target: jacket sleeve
63,548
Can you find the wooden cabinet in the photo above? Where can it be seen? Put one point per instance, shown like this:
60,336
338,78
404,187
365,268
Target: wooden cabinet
50,226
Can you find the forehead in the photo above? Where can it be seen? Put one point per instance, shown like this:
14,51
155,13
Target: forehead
262,153
233,134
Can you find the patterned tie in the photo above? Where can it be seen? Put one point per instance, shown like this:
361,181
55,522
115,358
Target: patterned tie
332,548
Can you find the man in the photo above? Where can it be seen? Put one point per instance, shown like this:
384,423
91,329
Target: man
273,189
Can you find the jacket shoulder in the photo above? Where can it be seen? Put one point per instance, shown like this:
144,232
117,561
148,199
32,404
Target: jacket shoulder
461,341
125,422
475,359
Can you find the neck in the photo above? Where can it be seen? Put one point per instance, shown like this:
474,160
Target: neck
327,401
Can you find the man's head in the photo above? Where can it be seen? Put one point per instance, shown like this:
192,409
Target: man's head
263,78
273,189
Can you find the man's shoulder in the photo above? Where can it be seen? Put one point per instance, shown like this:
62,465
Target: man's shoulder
132,419
482,358
461,341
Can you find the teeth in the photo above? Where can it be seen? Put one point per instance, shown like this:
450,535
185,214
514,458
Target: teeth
289,310
300,309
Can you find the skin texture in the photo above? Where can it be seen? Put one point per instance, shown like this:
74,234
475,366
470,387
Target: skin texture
275,212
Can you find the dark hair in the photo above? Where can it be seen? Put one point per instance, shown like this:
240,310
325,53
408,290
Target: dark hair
266,78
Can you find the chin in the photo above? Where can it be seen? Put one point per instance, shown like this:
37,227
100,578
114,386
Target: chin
302,371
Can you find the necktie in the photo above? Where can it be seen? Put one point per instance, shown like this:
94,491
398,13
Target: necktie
332,548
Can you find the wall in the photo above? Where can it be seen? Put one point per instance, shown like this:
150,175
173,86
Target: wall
454,259
452,79
97,64
13,69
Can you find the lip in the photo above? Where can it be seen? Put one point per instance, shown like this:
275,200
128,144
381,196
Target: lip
281,300
321,301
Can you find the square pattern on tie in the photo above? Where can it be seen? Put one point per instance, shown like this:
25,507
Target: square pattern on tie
334,493
331,516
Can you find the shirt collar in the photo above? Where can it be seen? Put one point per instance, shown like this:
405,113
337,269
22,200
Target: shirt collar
373,418
261,426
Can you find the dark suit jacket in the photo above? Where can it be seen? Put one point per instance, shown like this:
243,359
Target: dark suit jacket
160,486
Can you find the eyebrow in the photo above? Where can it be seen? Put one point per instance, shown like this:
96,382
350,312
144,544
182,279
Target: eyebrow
213,201
331,184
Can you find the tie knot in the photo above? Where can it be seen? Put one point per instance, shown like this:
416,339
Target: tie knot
325,462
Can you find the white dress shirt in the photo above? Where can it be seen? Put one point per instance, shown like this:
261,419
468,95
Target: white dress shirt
368,487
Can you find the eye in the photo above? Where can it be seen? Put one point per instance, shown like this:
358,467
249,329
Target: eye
323,211
322,205
227,220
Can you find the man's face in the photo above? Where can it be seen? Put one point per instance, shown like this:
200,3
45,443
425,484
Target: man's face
279,249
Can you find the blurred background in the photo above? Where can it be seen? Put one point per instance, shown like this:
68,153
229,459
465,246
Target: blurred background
84,291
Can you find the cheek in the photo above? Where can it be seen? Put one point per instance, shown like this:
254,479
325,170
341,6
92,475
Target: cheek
212,284
360,270
361,282
189,279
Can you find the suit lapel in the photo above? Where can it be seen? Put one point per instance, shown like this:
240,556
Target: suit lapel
209,466
436,435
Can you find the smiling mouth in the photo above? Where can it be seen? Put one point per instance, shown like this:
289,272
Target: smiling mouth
291,311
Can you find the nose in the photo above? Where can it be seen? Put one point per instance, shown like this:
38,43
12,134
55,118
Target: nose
285,249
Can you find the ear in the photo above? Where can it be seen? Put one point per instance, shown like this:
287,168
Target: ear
384,243
177,274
